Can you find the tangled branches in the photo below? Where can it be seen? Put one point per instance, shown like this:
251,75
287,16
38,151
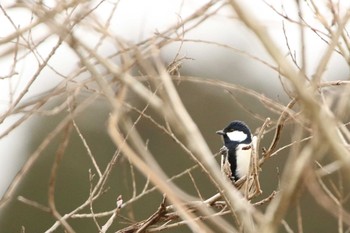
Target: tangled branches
309,129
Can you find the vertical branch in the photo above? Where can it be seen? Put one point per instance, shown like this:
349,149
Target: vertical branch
280,125
88,150
91,177
291,181
299,218
302,38
254,164
53,175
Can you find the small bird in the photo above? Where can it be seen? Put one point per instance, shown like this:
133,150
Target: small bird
238,142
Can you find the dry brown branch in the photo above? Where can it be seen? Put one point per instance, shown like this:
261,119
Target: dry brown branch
179,117
280,124
137,87
312,108
168,215
53,176
326,199
91,177
88,150
36,154
142,166
33,204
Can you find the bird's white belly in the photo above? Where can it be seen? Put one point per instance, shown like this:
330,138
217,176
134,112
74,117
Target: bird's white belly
243,160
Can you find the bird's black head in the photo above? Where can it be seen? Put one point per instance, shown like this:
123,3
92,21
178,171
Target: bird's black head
236,132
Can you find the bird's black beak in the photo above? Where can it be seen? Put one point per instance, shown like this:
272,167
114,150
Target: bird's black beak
220,132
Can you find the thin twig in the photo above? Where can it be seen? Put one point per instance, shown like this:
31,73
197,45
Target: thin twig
53,176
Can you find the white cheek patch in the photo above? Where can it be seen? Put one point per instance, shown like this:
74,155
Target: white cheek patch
237,136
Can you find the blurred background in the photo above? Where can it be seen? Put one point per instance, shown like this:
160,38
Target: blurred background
219,48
